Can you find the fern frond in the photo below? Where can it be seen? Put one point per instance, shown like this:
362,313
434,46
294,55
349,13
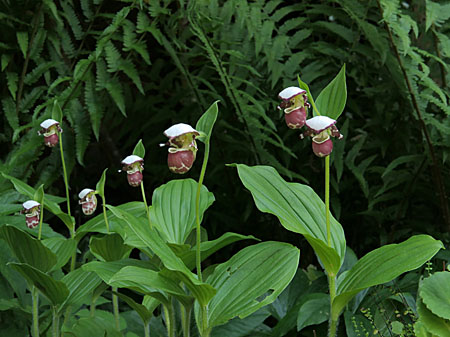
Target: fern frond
12,79
72,19
9,108
93,104
130,70
33,76
115,90
113,57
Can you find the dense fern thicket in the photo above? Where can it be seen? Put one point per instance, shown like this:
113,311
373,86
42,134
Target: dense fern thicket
125,70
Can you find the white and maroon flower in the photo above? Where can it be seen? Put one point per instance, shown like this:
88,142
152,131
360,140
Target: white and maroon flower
32,211
321,128
183,148
88,201
134,165
50,129
294,101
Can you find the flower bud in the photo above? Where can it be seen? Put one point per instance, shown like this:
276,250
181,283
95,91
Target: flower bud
88,201
180,161
32,211
295,118
322,148
134,165
50,130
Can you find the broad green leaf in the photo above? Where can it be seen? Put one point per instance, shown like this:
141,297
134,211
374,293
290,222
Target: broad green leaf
304,86
106,270
57,113
420,329
173,208
39,195
315,310
109,248
139,149
437,326
50,202
262,269
27,249
435,294
80,284
100,187
331,100
208,248
141,309
63,249
55,291
100,325
201,291
299,210
383,265
149,282
242,327
206,122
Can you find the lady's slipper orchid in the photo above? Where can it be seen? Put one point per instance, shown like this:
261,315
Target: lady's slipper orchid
134,165
294,102
32,211
88,201
50,130
183,148
320,128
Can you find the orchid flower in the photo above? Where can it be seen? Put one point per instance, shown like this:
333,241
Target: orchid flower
294,102
320,128
32,211
183,148
134,165
88,201
50,129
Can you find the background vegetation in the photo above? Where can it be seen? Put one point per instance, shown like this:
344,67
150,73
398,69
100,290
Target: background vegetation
125,70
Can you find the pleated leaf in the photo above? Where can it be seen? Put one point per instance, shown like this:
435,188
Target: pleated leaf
27,249
299,210
206,122
202,292
435,293
383,265
264,269
141,309
331,100
109,248
148,282
55,291
173,208
63,249
80,284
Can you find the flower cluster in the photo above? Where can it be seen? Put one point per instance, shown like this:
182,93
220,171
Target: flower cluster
32,211
320,128
50,129
183,147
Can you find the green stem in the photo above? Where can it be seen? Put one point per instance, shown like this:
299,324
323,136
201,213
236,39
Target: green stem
186,320
55,323
205,330
147,329
104,215
115,301
66,183
333,323
169,314
327,198
41,217
35,300
145,203
197,210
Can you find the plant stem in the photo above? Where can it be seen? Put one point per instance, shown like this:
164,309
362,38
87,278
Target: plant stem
145,203
197,210
104,215
332,323
115,301
327,198
186,320
170,319
66,183
55,323
35,300
205,330
41,217
147,329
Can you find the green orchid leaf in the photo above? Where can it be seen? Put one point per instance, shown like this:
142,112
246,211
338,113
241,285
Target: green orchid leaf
55,291
206,122
383,265
299,210
242,282
57,113
201,291
28,249
100,187
315,310
149,282
80,283
39,195
140,309
109,248
50,202
331,101
62,248
139,149
173,208
435,294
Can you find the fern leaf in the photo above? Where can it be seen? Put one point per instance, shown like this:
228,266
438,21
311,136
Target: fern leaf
12,79
102,77
129,69
38,44
30,98
73,20
86,8
115,90
93,104
6,58
130,42
80,69
338,29
37,72
9,108
81,127
22,39
66,42
113,57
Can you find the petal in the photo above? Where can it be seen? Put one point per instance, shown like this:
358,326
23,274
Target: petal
48,123
180,129
290,92
27,205
320,123
131,160
84,193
